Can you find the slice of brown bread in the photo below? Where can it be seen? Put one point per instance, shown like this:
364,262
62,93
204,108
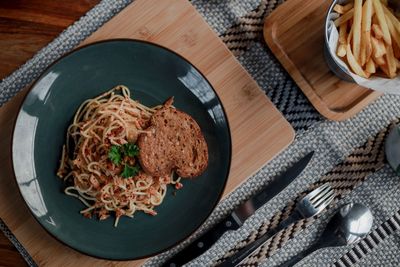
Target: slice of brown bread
175,142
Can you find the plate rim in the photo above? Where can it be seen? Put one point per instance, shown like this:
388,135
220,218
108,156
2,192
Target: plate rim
34,83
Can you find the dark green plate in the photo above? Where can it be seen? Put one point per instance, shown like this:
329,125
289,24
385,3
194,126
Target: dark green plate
153,74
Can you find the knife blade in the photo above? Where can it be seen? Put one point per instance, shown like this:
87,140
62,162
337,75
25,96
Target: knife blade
236,219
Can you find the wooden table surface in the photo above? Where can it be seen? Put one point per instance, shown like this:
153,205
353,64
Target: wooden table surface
25,27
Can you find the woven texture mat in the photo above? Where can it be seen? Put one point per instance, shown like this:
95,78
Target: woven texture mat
349,154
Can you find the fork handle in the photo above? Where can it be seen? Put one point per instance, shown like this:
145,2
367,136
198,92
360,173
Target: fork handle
250,248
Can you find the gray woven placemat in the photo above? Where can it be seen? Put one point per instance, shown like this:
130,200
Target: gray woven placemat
239,25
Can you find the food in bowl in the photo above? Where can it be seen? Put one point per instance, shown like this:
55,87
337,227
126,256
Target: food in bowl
369,38
120,155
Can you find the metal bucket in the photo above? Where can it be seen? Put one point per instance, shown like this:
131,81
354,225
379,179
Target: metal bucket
338,70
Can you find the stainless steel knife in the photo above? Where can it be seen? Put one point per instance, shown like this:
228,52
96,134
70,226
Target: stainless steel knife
239,215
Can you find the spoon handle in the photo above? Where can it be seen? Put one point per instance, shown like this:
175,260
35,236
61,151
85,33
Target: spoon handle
302,255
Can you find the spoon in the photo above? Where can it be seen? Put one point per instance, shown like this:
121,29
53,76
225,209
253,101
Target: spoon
350,224
391,148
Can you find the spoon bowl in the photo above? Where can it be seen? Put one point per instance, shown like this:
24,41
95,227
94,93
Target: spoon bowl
392,142
350,224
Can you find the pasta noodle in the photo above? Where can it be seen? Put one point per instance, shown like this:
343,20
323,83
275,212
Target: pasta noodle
108,183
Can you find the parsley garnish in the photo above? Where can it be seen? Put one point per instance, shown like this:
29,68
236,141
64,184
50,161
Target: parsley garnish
130,171
130,150
115,155
118,153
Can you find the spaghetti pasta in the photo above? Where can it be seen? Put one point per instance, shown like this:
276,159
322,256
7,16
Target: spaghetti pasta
99,158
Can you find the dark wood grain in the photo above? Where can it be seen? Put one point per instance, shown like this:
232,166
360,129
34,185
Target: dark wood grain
25,27
28,25
9,256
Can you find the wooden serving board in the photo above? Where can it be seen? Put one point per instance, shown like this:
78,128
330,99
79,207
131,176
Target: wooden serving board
259,131
295,34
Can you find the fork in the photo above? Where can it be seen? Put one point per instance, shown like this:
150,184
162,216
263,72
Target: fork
309,206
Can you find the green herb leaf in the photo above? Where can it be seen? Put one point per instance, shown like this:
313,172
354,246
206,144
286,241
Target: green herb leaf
130,150
130,171
115,154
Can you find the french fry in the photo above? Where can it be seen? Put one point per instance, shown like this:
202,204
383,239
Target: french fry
385,69
363,56
347,7
338,9
392,29
391,62
380,61
353,63
344,18
357,28
393,19
368,50
382,21
341,50
370,66
378,47
378,34
369,38
366,47
397,63
343,33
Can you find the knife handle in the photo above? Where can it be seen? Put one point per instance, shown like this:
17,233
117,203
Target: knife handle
203,243
246,251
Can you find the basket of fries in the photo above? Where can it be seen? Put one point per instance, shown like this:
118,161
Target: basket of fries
362,43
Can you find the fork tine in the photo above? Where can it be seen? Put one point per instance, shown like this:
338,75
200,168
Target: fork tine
316,191
326,203
323,199
321,193
316,201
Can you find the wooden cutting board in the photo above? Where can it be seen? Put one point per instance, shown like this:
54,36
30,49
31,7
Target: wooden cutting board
295,34
259,131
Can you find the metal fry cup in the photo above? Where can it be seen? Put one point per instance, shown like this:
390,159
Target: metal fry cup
341,69
337,69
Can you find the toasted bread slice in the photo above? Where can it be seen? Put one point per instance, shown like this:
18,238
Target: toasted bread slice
175,142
